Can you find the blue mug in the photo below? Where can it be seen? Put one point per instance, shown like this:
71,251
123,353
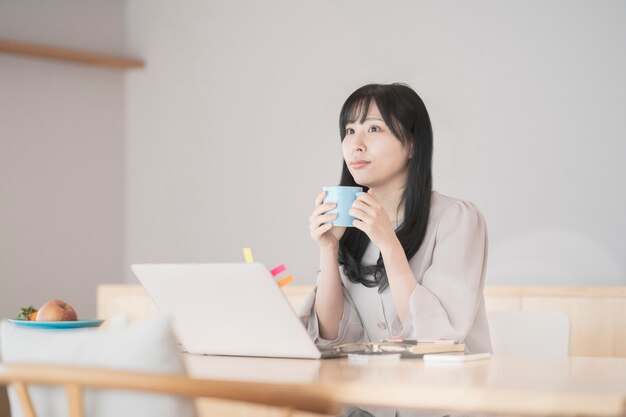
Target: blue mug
343,196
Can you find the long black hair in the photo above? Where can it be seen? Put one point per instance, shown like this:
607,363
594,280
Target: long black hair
406,116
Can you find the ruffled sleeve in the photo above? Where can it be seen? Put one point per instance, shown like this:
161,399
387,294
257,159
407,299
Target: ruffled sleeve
445,303
350,327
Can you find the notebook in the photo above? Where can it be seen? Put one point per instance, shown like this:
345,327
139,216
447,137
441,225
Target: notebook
234,309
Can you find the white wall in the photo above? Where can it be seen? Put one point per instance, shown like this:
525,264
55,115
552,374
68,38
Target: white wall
231,131
232,128
61,156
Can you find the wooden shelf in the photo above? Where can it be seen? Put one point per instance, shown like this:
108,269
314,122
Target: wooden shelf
50,52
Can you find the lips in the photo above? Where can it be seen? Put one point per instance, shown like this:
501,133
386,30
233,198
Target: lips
358,164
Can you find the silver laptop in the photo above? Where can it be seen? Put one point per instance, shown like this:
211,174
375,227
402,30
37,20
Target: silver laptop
232,309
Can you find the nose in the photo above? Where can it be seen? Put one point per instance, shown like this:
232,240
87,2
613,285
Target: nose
358,144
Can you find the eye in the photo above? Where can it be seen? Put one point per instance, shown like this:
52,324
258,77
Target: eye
349,131
375,129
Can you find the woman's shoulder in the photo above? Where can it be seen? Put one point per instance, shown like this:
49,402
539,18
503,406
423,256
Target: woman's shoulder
442,205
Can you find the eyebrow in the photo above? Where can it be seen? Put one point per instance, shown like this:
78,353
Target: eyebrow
369,118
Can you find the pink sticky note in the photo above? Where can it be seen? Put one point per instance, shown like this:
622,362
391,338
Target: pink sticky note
277,270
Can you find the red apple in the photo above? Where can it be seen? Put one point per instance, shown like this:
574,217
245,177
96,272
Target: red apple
56,310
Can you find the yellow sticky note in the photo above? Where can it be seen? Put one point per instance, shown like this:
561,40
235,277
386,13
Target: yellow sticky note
285,281
247,255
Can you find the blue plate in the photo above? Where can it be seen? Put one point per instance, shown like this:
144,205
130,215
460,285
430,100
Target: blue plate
57,324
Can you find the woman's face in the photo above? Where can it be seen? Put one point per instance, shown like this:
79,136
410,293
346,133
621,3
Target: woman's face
375,156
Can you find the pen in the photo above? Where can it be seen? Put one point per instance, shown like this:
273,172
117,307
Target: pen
400,340
441,341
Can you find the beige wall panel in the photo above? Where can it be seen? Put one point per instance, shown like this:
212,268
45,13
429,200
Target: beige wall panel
503,303
597,324
597,315
129,301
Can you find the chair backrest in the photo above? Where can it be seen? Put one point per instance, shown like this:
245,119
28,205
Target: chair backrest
521,333
75,380
149,347
54,373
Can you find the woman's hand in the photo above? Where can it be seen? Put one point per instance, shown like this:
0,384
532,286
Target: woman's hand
372,219
325,234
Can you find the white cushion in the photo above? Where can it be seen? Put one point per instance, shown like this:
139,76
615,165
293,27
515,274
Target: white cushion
149,346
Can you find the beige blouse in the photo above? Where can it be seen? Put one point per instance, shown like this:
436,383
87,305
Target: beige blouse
448,301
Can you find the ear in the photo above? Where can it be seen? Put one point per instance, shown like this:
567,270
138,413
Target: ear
411,150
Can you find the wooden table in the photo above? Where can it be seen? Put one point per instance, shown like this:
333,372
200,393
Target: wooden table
574,386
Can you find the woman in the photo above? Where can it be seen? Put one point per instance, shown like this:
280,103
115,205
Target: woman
413,265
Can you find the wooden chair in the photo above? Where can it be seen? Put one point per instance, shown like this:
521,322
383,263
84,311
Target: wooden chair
75,379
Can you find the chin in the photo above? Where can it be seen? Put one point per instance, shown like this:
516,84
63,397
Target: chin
361,183
367,184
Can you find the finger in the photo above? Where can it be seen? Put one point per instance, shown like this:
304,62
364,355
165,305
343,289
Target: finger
323,208
316,221
317,233
314,227
325,218
359,225
361,205
359,214
368,199
320,198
